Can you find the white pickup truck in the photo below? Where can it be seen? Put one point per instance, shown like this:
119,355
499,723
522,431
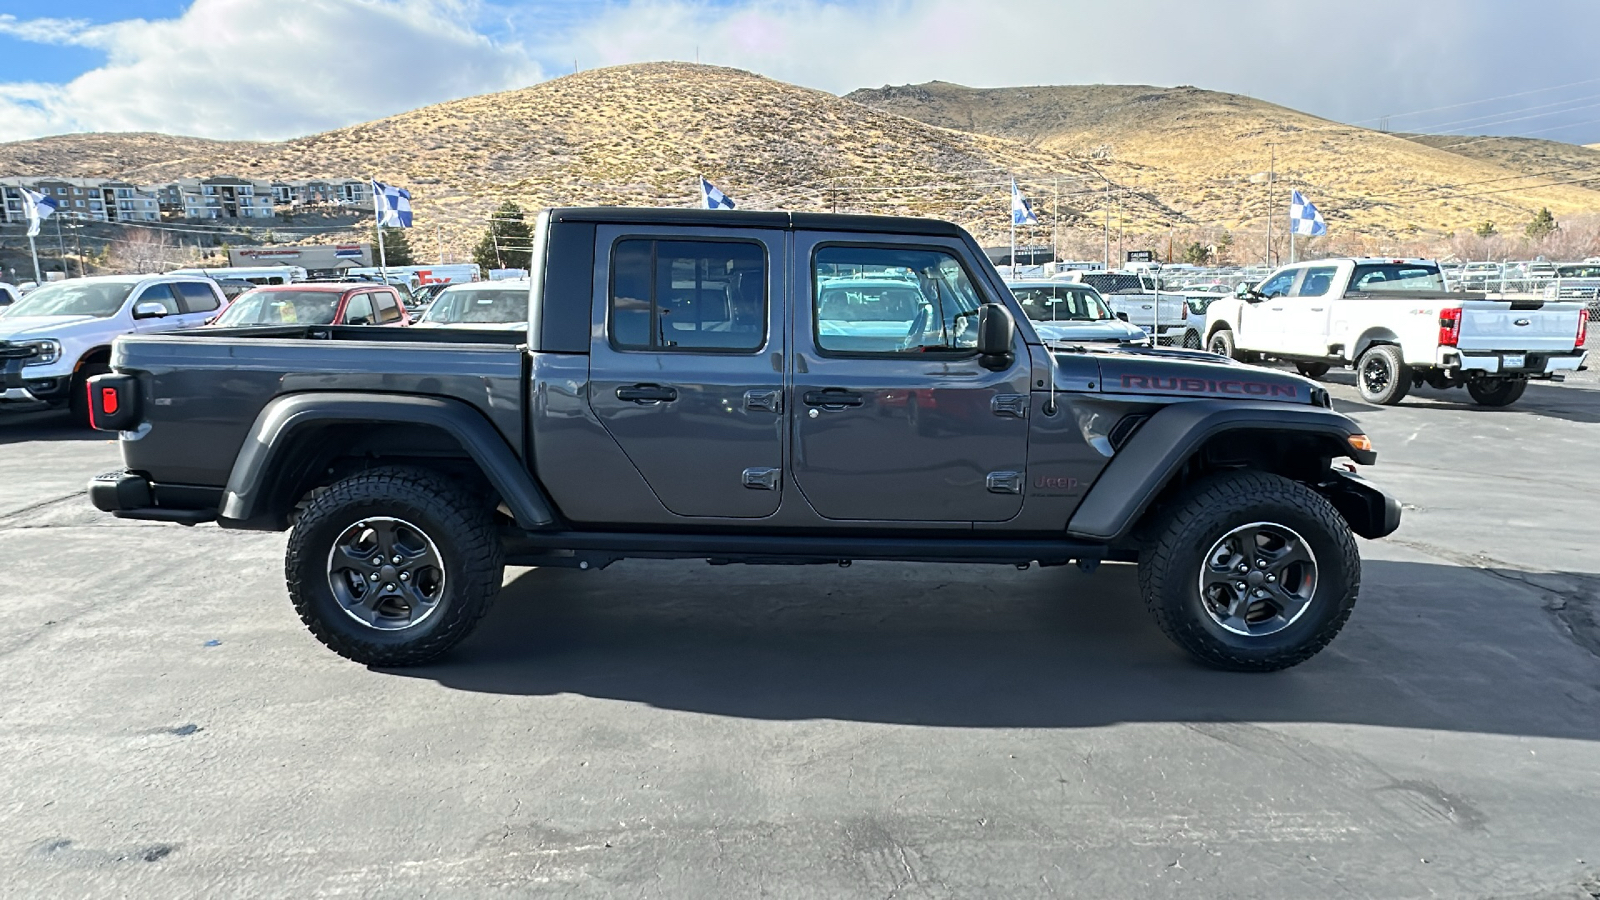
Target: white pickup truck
1395,322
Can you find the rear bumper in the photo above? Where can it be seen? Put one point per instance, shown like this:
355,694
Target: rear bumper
129,495
1534,363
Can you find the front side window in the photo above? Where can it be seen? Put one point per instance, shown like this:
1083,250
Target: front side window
877,300
1059,303
1278,285
688,295
359,312
1317,282
162,294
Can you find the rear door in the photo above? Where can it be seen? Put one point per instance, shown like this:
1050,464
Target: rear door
686,363
894,419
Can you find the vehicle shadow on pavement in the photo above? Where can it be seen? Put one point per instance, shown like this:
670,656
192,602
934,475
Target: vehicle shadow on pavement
49,425
1543,399
1429,646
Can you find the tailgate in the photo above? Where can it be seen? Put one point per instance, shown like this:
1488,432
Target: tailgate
1496,325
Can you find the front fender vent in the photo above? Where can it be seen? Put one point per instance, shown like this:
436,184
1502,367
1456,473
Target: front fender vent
1320,397
1125,428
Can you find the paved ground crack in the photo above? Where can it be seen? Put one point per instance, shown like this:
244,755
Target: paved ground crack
35,507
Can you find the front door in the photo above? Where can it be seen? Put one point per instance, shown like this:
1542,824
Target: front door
686,363
1261,321
893,416
1306,314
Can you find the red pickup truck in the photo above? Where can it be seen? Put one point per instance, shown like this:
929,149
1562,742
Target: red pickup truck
327,303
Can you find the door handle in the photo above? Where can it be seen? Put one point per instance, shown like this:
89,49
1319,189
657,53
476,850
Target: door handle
1316,309
647,393
833,398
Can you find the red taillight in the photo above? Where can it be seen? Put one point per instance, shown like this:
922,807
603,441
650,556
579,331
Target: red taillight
1583,328
1449,326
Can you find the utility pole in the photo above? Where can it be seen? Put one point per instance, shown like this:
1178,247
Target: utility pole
1272,177
1108,223
1055,225
61,247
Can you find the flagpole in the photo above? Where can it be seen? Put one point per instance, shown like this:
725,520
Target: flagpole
377,225
1291,230
38,279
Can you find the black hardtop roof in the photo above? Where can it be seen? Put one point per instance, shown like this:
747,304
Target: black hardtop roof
738,218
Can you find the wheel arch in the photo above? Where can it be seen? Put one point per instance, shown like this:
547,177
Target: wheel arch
1370,337
302,441
1187,441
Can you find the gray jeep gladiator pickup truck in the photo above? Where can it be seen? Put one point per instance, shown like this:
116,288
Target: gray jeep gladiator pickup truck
746,387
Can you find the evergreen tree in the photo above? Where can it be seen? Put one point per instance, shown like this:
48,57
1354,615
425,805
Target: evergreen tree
508,241
1485,230
1543,225
396,247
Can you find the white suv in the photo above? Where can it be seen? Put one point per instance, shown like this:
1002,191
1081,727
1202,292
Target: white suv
70,326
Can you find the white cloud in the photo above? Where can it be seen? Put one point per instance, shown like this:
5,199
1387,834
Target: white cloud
262,68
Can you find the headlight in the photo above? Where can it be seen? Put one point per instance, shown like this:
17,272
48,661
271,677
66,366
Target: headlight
49,352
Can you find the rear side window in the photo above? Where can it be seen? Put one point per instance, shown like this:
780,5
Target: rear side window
196,297
359,312
1316,282
162,294
688,295
388,309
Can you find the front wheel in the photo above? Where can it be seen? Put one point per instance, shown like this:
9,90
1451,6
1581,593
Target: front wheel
1312,370
1382,375
1221,343
1191,340
1250,572
1497,391
394,566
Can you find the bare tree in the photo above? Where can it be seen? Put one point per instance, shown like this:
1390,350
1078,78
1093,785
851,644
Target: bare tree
147,252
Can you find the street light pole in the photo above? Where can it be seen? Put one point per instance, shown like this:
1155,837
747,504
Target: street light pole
1272,168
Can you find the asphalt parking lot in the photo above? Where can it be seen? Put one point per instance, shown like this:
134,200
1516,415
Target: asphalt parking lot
676,730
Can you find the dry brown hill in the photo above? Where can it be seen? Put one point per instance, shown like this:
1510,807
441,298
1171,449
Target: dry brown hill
101,155
1203,153
641,134
1550,161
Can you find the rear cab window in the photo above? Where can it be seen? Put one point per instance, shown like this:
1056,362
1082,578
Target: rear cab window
1396,276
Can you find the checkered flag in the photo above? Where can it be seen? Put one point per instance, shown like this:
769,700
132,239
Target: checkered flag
1021,210
392,204
38,207
1304,218
714,198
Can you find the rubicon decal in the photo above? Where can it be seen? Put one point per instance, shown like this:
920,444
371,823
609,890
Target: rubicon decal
1209,386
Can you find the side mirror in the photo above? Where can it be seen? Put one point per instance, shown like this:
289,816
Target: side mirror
1123,316
150,310
996,331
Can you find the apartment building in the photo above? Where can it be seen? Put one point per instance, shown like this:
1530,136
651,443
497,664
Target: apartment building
224,197
99,199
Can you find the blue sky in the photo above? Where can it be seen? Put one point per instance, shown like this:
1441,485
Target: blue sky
262,68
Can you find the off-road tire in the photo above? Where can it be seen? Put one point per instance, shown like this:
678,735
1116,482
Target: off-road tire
1221,344
1385,361
1178,538
462,527
1312,370
1191,340
1497,391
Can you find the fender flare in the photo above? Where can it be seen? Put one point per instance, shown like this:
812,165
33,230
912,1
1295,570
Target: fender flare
245,503
1158,450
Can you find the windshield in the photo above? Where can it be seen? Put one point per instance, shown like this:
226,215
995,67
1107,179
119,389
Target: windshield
67,299
1397,277
465,305
282,308
1061,304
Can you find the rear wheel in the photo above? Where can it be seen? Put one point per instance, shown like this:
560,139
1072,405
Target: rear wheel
1221,344
1382,375
1191,340
1497,391
394,566
1312,370
1250,572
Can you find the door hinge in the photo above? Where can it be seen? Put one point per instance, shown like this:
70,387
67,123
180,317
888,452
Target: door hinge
765,401
761,479
1013,405
1004,482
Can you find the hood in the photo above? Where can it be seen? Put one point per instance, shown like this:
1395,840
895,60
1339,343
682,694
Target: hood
1104,330
27,328
1193,373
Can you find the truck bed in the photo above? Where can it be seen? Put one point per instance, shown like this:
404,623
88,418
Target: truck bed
203,389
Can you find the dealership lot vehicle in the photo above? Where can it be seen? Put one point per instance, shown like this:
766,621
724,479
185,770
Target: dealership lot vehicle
1394,321
8,295
258,275
1138,295
317,303
485,305
645,408
1072,312
60,335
